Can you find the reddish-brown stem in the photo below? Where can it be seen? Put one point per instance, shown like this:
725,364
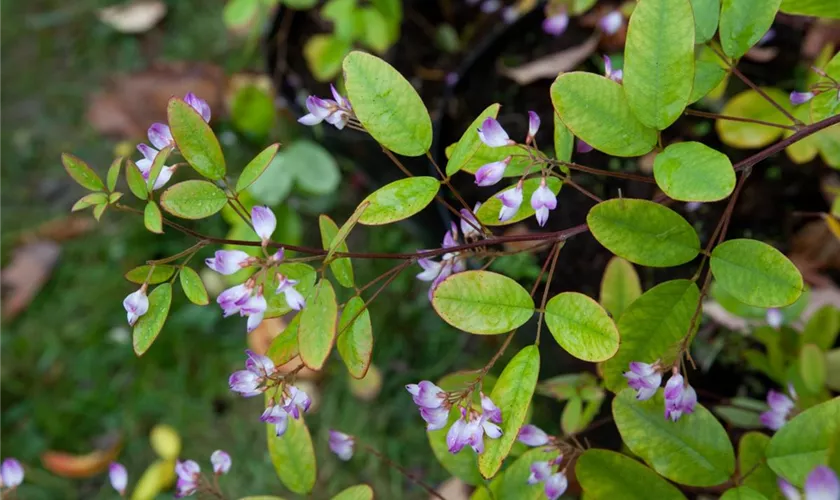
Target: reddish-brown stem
607,173
716,116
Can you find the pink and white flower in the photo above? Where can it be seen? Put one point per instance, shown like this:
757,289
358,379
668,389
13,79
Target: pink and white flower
136,304
254,308
680,398
532,435
511,201
492,134
582,146
145,166
276,415
11,472
617,75
198,104
336,112
471,428
221,462
820,484
542,201
556,24
797,98
286,286
250,381
611,23
426,394
228,261
470,227
342,445
491,173
436,418
264,222
189,477
118,477
775,318
533,126
296,402
780,407
232,299
556,485
644,378
160,135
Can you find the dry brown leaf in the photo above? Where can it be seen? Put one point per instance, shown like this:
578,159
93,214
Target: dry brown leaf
130,103
63,229
79,466
551,65
814,249
133,17
453,489
25,274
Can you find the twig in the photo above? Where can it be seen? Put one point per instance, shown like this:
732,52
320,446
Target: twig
691,112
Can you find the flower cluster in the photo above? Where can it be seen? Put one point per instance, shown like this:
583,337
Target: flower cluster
189,475
336,111
451,262
555,482
260,374
11,473
780,408
342,444
645,378
821,484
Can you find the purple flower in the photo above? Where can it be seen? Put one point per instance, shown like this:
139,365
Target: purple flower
279,255
583,147
426,394
254,308
693,206
276,415
611,23
491,173
775,318
644,378
145,166
510,14
780,407
533,126
228,261
532,435
342,445
198,104
490,410
189,475
511,201
296,402
436,418
136,304
556,25
248,382
264,222
492,134
679,398
542,201
797,98
556,485
540,471
821,484
118,477
616,75
470,227
318,109
11,472
340,100
449,264
788,490
490,6
221,462
259,364
471,432
160,136
431,269
231,300
286,286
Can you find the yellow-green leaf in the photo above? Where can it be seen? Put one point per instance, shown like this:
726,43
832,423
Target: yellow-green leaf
607,475
195,139
692,171
399,200
149,325
135,180
750,104
159,274
469,143
318,326
355,337
254,169
81,173
620,286
193,286
358,492
113,174
293,455
756,273
581,326
744,22
152,218
751,457
193,199
341,267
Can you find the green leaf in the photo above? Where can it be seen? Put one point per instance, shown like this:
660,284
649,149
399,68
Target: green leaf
751,458
304,163
113,174
193,286
81,173
240,13
114,197
469,143
463,465
193,199
822,328
152,218
581,326
643,232
564,141
323,54
652,328
355,337
90,200
304,274
824,105
694,450
98,211
256,167
317,326
160,273
149,325
513,481
512,394
803,443
659,60
135,180
519,162
377,32
252,111
358,492
563,387
342,268
707,76
595,109
387,105
812,367
691,171
292,455
620,286
337,242
743,23
157,166
817,8
195,139
284,347
739,417
750,104
488,213
742,493
756,273
706,14
301,4
482,302
832,365
606,475
571,418
399,200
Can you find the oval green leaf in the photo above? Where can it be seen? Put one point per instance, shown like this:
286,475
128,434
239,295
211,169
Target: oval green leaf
160,274
399,200
606,475
90,200
387,105
817,8
284,347
304,274
620,286
756,273
152,218
293,455
512,394
564,141
707,76
750,104
803,443
643,232
695,450
595,109
149,325
488,213
193,287
113,173
743,23
482,302
254,169
822,327
513,481
469,143
355,337
742,493
691,171
751,457
135,180
652,328
196,140
812,367
706,14
659,60
318,326
581,326
341,267
193,199
358,492
81,173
